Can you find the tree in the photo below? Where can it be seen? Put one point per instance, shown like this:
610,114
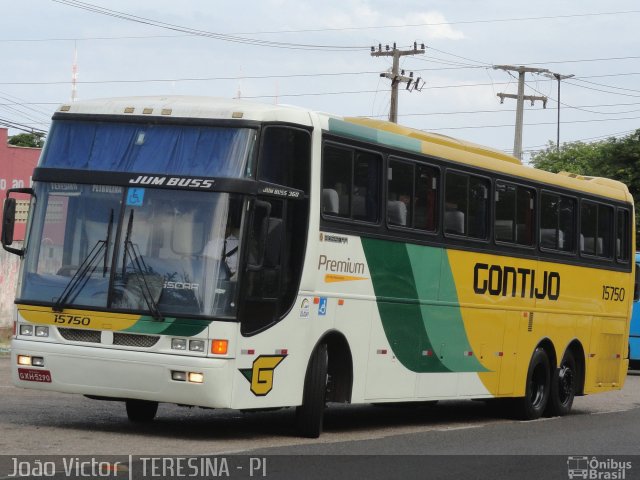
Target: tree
616,158
34,140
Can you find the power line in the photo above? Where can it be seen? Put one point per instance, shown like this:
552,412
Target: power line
341,29
536,148
486,64
606,59
21,126
608,86
429,114
293,75
535,124
603,91
202,33
195,79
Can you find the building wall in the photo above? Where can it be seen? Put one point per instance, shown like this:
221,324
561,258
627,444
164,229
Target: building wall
16,169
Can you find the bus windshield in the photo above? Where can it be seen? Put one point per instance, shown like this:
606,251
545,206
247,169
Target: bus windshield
152,251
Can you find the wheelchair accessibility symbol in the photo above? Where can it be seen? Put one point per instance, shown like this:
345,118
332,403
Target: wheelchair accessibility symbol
322,306
135,197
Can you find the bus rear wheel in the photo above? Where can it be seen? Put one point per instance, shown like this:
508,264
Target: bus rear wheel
538,387
141,411
563,387
310,414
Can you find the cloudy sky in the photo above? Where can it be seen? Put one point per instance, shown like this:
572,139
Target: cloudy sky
317,55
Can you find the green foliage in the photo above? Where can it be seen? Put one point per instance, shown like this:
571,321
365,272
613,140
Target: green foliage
34,140
616,158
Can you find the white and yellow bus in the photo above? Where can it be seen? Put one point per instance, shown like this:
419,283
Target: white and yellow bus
226,254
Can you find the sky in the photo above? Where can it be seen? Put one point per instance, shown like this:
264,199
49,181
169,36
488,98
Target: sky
317,55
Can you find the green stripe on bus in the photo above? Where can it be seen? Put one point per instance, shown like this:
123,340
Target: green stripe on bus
373,135
408,281
181,327
186,328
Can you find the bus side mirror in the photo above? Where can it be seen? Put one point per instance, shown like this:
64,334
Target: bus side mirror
636,286
9,220
258,235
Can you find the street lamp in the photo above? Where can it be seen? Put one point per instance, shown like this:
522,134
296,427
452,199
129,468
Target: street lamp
558,77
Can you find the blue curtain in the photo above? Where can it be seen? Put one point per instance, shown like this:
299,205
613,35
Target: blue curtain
160,149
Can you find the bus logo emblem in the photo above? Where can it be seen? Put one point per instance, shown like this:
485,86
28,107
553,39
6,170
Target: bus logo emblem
260,376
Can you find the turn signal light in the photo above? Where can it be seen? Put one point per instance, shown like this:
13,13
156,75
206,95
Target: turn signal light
219,347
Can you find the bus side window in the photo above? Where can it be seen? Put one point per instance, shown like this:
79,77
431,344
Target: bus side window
426,198
284,157
466,205
337,178
622,236
366,186
354,176
514,214
596,222
557,222
399,202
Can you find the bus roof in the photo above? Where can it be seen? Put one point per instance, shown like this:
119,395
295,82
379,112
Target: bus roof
378,131
175,106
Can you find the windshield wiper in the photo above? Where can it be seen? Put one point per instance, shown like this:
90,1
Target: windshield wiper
106,251
86,269
141,269
80,277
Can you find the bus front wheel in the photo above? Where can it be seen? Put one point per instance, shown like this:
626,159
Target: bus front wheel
538,387
141,411
310,414
563,387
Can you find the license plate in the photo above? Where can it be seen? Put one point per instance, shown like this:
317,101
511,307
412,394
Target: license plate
33,375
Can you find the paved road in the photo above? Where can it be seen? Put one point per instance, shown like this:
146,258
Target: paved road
60,424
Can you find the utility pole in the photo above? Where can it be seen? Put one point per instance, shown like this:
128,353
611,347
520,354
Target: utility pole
520,97
559,77
396,75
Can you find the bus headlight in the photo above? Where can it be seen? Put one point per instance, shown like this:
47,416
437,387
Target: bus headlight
42,331
179,343
196,345
26,330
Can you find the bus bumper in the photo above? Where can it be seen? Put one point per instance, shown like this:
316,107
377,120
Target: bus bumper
122,374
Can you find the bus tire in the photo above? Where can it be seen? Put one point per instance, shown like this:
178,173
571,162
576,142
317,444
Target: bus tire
538,386
310,414
563,387
141,411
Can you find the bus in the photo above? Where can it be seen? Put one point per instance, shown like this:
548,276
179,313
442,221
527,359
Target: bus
634,333
227,254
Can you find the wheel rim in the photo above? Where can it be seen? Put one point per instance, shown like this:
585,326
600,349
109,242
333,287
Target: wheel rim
565,384
537,386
